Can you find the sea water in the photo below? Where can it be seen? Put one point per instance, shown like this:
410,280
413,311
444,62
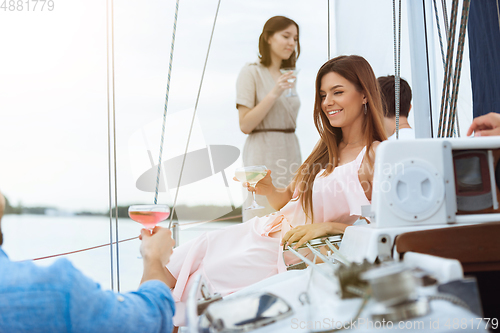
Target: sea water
28,237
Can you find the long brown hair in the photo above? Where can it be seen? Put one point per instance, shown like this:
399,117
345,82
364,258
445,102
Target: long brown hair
273,25
325,155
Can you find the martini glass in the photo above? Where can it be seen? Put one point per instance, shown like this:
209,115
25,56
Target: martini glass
252,175
294,71
149,215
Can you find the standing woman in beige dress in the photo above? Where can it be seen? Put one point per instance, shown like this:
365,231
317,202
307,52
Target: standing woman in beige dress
265,113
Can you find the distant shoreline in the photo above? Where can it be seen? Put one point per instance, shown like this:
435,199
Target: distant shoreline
198,212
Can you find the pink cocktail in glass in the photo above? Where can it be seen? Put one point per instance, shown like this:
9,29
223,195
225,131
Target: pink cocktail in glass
149,215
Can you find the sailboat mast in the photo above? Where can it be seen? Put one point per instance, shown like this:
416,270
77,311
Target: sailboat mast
421,67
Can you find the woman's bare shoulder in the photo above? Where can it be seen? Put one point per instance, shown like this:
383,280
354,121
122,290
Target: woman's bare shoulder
375,145
373,148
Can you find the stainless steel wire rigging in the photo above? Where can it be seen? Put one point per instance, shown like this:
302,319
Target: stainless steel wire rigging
443,113
449,97
172,44
458,66
191,127
328,10
110,56
397,61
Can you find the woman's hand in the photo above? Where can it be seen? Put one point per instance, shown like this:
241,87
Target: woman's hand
304,233
282,84
250,118
277,197
264,186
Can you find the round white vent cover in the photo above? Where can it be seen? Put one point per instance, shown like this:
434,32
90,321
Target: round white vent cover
416,190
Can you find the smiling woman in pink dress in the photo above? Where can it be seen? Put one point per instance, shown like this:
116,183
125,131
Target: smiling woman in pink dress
266,114
324,198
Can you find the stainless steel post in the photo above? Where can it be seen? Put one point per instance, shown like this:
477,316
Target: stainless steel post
175,232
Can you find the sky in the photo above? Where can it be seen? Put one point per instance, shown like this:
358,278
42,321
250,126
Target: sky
53,89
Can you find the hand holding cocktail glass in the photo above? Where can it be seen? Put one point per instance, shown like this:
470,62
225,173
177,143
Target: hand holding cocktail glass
148,215
250,177
156,245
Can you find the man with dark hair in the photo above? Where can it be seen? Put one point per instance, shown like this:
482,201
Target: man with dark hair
59,298
387,88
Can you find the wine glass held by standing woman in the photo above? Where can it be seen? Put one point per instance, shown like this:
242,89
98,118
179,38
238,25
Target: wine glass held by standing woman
294,71
265,113
324,198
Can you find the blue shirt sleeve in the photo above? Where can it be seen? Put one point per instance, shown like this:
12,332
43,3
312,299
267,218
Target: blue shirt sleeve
91,309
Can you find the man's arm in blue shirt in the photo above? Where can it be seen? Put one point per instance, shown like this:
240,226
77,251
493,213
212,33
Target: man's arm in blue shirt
91,309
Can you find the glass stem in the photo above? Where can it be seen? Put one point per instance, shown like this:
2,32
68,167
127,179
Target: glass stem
253,193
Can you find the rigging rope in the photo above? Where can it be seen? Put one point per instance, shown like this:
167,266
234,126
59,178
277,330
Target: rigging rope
445,17
128,239
397,55
439,34
445,14
166,101
109,152
458,127
443,113
112,115
328,29
428,68
458,65
82,250
194,114
114,146
446,26
441,43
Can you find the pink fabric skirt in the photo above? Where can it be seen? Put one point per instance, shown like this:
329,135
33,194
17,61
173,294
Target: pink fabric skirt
228,259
